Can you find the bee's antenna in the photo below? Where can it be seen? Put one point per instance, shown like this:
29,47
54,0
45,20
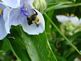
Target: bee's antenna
35,12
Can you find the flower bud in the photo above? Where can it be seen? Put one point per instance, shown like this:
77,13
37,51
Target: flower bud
40,5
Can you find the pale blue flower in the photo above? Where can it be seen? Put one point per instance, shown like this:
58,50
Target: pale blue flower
3,32
18,16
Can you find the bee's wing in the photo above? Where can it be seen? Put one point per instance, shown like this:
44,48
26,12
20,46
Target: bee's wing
62,18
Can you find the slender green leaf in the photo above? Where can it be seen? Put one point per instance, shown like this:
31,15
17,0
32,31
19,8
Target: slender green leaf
38,48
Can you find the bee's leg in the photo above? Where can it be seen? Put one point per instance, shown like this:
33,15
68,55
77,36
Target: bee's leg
37,25
28,20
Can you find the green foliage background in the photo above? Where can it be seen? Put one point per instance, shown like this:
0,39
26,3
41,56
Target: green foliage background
55,44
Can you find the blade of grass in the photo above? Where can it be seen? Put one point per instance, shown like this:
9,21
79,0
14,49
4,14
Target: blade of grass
68,2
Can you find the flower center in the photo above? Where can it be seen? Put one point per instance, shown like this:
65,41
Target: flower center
24,11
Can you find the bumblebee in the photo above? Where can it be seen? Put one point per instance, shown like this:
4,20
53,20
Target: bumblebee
33,19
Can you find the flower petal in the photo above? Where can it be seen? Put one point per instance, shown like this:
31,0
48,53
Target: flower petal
62,18
11,3
74,20
29,1
6,14
3,32
13,16
2,6
33,29
80,21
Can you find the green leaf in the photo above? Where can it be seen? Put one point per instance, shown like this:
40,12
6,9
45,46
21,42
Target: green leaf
38,48
17,47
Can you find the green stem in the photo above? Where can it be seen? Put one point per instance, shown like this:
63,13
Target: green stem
62,34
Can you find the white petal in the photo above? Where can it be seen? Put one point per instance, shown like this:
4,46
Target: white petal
74,20
6,14
80,21
3,32
33,29
11,3
12,17
15,17
2,6
29,1
77,59
62,18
